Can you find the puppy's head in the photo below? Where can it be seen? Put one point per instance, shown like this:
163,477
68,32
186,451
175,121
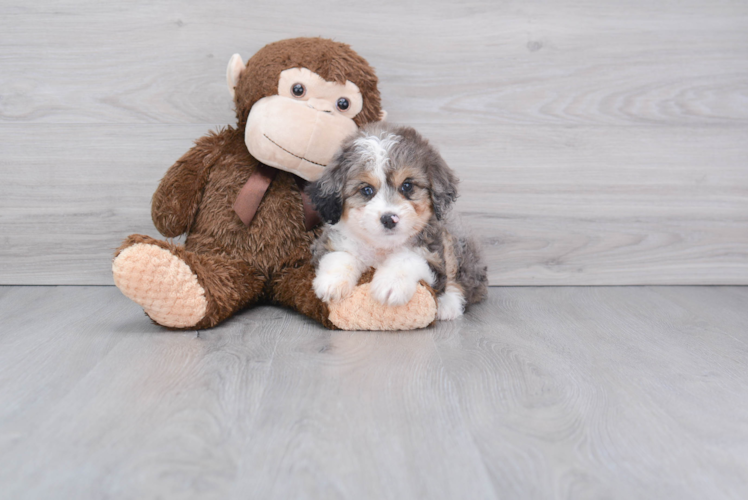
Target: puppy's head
385,185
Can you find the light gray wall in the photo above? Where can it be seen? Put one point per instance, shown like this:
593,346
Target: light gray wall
598,142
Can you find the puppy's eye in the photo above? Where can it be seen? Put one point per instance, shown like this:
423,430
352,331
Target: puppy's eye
406,187
343,104
367,191
298,90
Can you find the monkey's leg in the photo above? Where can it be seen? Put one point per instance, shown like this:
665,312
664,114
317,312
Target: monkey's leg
182,289
292,287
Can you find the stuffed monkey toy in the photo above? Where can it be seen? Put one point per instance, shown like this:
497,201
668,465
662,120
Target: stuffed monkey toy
238,197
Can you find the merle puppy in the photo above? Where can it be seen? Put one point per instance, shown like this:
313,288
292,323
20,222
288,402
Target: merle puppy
386,198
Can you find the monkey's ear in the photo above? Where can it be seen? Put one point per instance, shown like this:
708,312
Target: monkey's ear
236,66
326,194
382,116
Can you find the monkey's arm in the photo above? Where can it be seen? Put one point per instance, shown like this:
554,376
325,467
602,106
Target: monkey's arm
179,193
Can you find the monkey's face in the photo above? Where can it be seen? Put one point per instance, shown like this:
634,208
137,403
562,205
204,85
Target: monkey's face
297,99
300,129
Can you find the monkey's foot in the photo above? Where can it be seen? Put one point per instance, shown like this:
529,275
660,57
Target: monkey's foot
359,311
162,283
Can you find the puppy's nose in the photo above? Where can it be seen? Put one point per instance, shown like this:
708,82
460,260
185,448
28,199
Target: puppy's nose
389,220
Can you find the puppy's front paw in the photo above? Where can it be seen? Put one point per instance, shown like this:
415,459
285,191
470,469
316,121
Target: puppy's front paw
392,288
337,274
333,286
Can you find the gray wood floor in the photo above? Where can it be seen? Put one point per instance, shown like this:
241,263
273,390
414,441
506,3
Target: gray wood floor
598,142
563,392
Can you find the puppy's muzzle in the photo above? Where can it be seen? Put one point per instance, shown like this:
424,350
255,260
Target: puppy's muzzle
389,220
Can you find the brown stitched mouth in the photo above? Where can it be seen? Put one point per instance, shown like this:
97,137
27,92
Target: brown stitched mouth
287,151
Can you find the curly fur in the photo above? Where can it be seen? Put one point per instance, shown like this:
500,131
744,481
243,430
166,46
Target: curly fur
453,258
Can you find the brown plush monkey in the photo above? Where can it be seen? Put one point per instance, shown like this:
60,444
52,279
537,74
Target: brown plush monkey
238,196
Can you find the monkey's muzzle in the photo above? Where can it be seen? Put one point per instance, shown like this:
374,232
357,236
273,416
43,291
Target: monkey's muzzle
292,136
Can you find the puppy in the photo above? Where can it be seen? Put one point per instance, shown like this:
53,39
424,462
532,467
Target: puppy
385,198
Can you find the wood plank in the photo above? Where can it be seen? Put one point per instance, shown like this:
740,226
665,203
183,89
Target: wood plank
568,63
174,402
82,323
355,415
72,193
186,420
617,392
598,142
551,205
593,389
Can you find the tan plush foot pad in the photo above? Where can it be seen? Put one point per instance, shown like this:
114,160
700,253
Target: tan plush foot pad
360,311
162,283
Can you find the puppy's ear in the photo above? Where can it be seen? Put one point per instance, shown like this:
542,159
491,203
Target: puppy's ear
443,185
326,192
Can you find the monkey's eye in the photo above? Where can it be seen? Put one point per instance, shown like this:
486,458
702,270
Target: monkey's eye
298,90
367,191
343,104
406,187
